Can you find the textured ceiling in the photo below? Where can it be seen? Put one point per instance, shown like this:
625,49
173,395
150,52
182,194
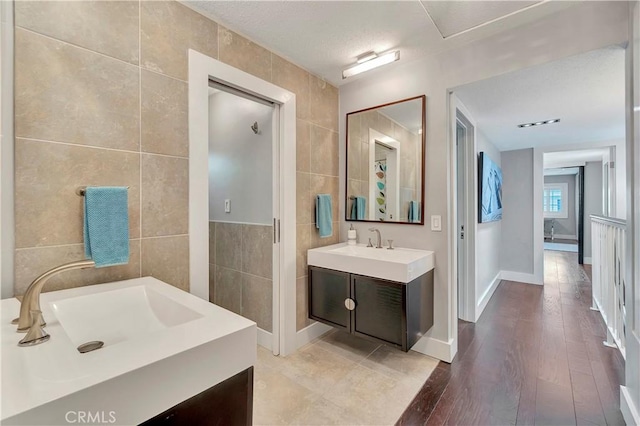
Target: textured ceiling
585,91
454,17
324,37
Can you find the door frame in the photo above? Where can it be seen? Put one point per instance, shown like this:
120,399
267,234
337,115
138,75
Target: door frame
466,294
203,68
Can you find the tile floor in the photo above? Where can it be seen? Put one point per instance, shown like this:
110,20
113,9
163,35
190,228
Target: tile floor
338,379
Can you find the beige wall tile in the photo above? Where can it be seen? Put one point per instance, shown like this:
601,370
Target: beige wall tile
229,245
324,103
67,94
319,184
48,211
303,238
302,304
164,118
167,30
316,241
165,195
354,158
243,54
324,151
167,259
303,145
108,27
32,262
257,250
212,283
228,289
293,78
212,243
257,302
303,201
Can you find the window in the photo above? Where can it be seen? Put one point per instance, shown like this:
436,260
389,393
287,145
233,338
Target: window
555,201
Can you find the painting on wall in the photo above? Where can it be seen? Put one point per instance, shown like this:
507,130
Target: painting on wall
490,190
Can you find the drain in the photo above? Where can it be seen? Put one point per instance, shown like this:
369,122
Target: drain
90,346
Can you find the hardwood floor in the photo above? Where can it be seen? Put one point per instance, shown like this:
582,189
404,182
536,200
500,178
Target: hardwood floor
534,357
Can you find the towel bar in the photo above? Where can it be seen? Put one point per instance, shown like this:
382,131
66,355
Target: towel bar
80,191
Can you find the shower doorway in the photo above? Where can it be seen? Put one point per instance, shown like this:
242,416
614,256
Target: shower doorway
243,205
246,187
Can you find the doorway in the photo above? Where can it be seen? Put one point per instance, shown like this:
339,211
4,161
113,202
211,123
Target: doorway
244,206
202,71
465,219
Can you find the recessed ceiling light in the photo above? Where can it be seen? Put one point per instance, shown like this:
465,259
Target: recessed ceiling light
370,64
539,123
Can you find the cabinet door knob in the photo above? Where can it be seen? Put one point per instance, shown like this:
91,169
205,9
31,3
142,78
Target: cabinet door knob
350,304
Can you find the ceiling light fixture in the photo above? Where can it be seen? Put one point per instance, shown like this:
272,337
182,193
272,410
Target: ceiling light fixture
539,123
367,61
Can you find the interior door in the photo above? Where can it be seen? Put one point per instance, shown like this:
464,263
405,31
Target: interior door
461,131
581,218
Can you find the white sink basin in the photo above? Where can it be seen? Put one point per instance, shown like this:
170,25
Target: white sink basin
400,264
154,335
118,315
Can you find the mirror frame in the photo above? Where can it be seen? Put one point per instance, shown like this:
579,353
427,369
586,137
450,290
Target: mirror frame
423,105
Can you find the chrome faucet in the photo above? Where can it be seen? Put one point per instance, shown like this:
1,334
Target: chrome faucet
30,320
377,231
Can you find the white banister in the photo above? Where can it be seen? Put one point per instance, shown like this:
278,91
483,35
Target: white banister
608,283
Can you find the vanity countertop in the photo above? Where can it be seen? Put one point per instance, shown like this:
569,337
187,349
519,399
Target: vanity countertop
130,379
399,264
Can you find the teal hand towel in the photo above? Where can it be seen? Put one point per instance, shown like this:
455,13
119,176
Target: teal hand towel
358,208
106,225
324,215
414,211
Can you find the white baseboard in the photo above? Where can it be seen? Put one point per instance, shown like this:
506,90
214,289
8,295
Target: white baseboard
521,277
630,412
482,303
265,339
436,348
565,237
586,261
310,333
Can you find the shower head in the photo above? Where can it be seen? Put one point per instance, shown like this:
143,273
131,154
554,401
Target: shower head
254,127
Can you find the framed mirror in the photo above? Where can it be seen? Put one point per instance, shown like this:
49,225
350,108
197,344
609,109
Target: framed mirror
385,162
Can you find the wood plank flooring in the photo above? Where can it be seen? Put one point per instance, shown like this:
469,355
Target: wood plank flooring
534,357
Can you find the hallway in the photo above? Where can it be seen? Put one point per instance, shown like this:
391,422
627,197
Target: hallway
534,357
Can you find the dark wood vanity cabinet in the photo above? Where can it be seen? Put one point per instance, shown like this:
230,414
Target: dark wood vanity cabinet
394,313
229,403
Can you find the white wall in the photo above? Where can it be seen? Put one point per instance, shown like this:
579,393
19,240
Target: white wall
517,211
592,201
584,27
630,398
240,162
488,238
6,151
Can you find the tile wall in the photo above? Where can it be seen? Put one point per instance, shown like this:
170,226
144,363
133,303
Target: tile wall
101,99
241,270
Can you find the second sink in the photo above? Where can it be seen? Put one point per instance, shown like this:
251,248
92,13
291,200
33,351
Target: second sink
400,265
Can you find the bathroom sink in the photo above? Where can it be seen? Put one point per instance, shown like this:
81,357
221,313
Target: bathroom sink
400,264
118,315
158,340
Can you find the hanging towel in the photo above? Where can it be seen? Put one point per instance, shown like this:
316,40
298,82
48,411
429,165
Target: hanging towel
414,211
324,215
106,225
358,208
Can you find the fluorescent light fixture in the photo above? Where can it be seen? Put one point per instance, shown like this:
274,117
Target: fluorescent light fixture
377,61
367,56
